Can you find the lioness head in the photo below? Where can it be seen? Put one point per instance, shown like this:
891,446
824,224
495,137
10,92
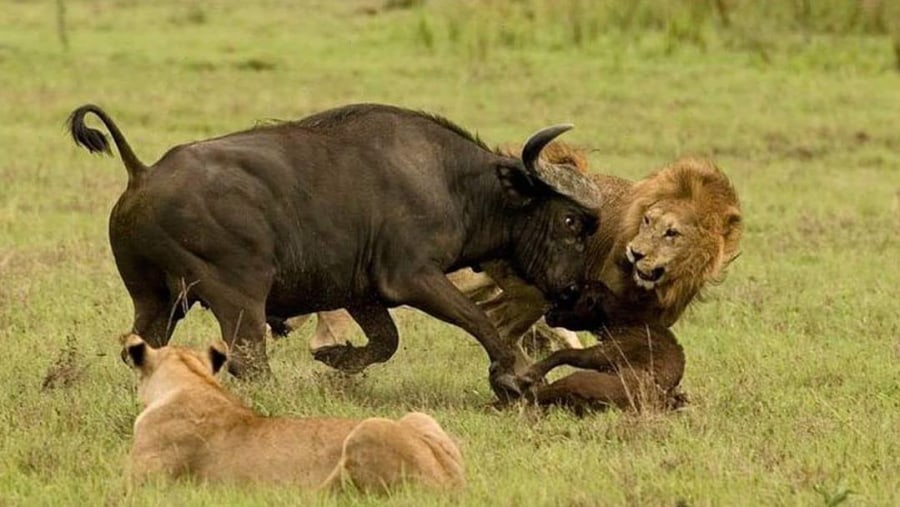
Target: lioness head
175,361
686,226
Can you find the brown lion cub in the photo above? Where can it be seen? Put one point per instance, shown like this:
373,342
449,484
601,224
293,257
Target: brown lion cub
191,427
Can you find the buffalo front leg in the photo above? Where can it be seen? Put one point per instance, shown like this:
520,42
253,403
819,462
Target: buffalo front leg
435,295
381,332
513,316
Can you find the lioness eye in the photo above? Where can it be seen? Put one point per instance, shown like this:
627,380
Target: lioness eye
671,233
646,220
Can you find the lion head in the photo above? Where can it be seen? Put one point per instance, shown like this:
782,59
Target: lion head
684,222
161,365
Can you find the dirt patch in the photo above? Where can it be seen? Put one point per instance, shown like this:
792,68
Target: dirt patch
66,370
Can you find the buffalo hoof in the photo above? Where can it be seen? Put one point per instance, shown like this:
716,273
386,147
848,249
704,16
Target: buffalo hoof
505,388
280,328
506,385
341,357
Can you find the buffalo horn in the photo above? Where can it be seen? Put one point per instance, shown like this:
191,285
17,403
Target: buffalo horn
536,143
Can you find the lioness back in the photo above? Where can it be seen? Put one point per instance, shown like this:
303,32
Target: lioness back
275,450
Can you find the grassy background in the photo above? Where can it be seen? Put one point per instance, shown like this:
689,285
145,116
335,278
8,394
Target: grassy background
792,362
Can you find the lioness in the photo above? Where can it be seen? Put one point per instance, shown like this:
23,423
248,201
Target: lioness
190,426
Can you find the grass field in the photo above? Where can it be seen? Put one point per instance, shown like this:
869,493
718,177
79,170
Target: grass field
792,362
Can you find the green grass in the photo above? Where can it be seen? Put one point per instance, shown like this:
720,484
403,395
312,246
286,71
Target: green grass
792,362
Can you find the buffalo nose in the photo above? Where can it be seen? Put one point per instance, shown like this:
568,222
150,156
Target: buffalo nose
636,255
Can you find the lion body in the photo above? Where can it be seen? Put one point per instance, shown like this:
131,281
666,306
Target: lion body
191,427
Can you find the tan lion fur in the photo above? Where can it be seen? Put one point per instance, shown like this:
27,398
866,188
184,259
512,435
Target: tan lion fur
191,427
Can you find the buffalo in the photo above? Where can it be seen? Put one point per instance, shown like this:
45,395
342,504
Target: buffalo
363,207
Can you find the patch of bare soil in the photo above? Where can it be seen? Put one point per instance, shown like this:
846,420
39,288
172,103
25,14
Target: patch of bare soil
66,370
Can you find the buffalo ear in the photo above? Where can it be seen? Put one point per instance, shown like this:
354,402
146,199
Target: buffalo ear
519,186
134,351
218,356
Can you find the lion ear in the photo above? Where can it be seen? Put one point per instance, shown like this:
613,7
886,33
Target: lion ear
218,356
733,223
732,227
134,351
732,219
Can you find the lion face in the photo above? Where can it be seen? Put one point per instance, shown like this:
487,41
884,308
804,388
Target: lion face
686,225
666,238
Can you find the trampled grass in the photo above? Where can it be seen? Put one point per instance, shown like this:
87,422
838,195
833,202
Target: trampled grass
792,362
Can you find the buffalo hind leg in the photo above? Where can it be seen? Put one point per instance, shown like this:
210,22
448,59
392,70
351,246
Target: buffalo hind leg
156,309
242,319
433,293
155,319
381,332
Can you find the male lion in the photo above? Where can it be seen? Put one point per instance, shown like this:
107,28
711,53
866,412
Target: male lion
190,426
662,240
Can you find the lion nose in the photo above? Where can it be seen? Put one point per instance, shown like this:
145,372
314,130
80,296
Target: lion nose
636,255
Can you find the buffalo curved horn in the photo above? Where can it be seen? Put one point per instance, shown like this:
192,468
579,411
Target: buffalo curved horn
538,141
561,178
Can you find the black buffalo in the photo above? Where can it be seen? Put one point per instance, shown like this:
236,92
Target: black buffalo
363,207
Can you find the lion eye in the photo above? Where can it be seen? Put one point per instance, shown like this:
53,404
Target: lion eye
646,220
671,233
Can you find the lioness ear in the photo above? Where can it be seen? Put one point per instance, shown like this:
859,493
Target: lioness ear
519,186
218,356
134,351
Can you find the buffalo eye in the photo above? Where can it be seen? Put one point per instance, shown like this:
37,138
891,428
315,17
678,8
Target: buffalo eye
573,223
671,233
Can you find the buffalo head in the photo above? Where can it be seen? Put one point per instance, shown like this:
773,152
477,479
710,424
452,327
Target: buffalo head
557,210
